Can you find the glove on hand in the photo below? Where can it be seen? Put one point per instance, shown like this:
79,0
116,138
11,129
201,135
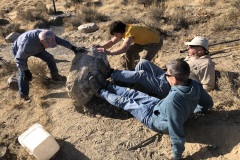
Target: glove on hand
77,50
27,75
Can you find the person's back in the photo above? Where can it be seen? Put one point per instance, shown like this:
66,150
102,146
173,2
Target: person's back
141,34
176,108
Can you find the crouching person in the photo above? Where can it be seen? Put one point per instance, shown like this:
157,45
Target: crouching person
161,115
34,43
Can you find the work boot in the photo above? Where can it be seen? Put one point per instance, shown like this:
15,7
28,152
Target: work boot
94,85
58,77
25,98
100,78
105,69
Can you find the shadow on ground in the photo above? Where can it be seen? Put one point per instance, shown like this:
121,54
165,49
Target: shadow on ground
68,152
222,130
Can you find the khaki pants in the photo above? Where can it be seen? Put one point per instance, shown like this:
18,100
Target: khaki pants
137,52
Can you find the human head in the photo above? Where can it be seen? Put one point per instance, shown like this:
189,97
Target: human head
48,38
117,27
199,43
178,69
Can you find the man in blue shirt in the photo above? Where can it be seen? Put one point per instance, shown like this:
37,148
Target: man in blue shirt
166,115
34,43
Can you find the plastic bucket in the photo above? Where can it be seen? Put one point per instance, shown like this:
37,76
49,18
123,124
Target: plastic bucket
38,142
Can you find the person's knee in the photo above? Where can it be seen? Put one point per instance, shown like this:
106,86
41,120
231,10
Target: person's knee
141,64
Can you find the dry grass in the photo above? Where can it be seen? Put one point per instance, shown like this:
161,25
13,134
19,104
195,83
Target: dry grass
40,71
7,68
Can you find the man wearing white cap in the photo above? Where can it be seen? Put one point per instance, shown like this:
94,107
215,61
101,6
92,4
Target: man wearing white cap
201,65
34,43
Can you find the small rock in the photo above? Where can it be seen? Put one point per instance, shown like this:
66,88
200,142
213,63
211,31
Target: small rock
88,27
3,151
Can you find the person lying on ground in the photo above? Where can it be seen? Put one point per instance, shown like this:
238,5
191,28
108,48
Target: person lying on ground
34,43
161,115
136,38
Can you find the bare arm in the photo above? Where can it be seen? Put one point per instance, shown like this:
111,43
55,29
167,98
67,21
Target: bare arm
110,43
122,49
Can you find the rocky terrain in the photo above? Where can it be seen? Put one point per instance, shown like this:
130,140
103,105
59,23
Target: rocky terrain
101,131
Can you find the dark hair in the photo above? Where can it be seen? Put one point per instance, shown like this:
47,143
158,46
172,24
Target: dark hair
117,27
179,69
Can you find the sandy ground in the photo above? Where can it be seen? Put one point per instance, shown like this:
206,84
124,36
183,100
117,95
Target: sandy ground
105,132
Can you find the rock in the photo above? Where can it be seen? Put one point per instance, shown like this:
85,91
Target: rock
88,27
77,80
12,37
3,150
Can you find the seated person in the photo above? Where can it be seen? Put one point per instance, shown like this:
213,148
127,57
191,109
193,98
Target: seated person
161,115
201,65
151,77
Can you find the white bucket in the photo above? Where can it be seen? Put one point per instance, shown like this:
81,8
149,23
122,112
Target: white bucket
38,142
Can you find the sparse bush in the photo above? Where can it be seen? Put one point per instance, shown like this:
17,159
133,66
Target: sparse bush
72,22
179,20
91,15
156,13
7,67
6,30
39,12
227,22
236,4
130,20
76,1
68,4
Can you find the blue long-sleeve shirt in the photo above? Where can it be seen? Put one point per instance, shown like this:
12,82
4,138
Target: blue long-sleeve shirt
28,44
170,113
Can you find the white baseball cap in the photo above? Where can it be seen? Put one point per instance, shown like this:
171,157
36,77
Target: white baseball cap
198,41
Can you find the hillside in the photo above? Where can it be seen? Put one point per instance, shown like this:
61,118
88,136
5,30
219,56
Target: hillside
101,131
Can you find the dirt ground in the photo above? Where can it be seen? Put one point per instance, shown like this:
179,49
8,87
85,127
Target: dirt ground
105,132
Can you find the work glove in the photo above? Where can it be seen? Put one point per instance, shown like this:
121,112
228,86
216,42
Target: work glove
77,50
27,75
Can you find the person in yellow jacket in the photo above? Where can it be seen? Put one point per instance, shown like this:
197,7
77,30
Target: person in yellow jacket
136,39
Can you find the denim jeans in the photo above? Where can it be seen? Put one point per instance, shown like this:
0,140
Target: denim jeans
46,57
147,75
139,104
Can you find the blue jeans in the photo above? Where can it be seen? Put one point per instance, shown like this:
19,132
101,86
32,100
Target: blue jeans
147,75
139,104
46,57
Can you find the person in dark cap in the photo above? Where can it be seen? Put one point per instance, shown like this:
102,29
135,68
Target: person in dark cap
34,43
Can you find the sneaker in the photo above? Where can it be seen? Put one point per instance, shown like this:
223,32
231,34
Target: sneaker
104,68
58,77
94,85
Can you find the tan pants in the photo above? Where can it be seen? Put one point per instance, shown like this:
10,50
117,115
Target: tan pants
137,52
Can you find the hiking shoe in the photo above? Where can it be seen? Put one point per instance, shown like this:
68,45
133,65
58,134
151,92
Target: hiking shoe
58,77
100,78
25,98
104,68
94,85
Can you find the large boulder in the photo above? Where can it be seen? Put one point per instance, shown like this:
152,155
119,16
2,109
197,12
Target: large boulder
77,80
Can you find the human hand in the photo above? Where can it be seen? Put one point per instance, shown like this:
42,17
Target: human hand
103,51
27,75
77,50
